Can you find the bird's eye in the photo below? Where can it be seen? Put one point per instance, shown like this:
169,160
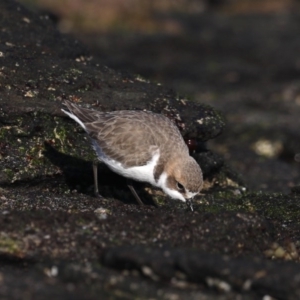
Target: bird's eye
180,187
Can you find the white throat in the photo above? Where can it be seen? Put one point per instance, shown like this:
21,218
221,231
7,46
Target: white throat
174,194
162,183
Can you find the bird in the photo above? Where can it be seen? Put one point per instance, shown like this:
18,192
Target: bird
143,146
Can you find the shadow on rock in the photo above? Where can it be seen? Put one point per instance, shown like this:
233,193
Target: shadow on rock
78,175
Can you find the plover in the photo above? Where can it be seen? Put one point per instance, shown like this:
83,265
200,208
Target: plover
143,146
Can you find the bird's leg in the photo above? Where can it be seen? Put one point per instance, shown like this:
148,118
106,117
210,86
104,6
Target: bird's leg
134,193
95,171
189,203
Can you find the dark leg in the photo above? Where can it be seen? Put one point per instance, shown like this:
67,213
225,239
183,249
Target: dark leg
95,171
136,196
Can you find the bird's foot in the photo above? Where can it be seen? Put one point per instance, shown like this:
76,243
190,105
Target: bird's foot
97,195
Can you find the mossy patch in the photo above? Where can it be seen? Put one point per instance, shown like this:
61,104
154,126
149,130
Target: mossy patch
9,246
24,154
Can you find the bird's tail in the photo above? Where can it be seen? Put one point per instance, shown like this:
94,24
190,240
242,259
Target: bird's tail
78,114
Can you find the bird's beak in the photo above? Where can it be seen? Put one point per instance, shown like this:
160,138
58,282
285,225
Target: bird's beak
189,203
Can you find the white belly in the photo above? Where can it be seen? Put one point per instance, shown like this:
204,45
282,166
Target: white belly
141,173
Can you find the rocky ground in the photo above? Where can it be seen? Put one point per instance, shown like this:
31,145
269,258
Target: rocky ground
57,240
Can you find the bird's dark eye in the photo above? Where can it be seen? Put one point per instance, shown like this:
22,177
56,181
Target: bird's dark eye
180,187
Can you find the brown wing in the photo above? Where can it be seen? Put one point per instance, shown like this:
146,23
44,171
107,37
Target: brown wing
129,136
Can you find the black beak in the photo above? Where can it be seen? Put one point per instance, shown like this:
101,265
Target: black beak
189,203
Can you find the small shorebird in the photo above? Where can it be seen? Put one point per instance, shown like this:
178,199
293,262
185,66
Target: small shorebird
143,146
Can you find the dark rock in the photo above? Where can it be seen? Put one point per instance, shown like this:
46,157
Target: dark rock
257,276
53,233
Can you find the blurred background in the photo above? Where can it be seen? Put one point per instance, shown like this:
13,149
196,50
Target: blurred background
239,56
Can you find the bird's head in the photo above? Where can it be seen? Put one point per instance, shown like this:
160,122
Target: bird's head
182,179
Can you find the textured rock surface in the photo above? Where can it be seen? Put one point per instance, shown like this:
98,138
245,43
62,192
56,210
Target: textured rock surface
57,241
